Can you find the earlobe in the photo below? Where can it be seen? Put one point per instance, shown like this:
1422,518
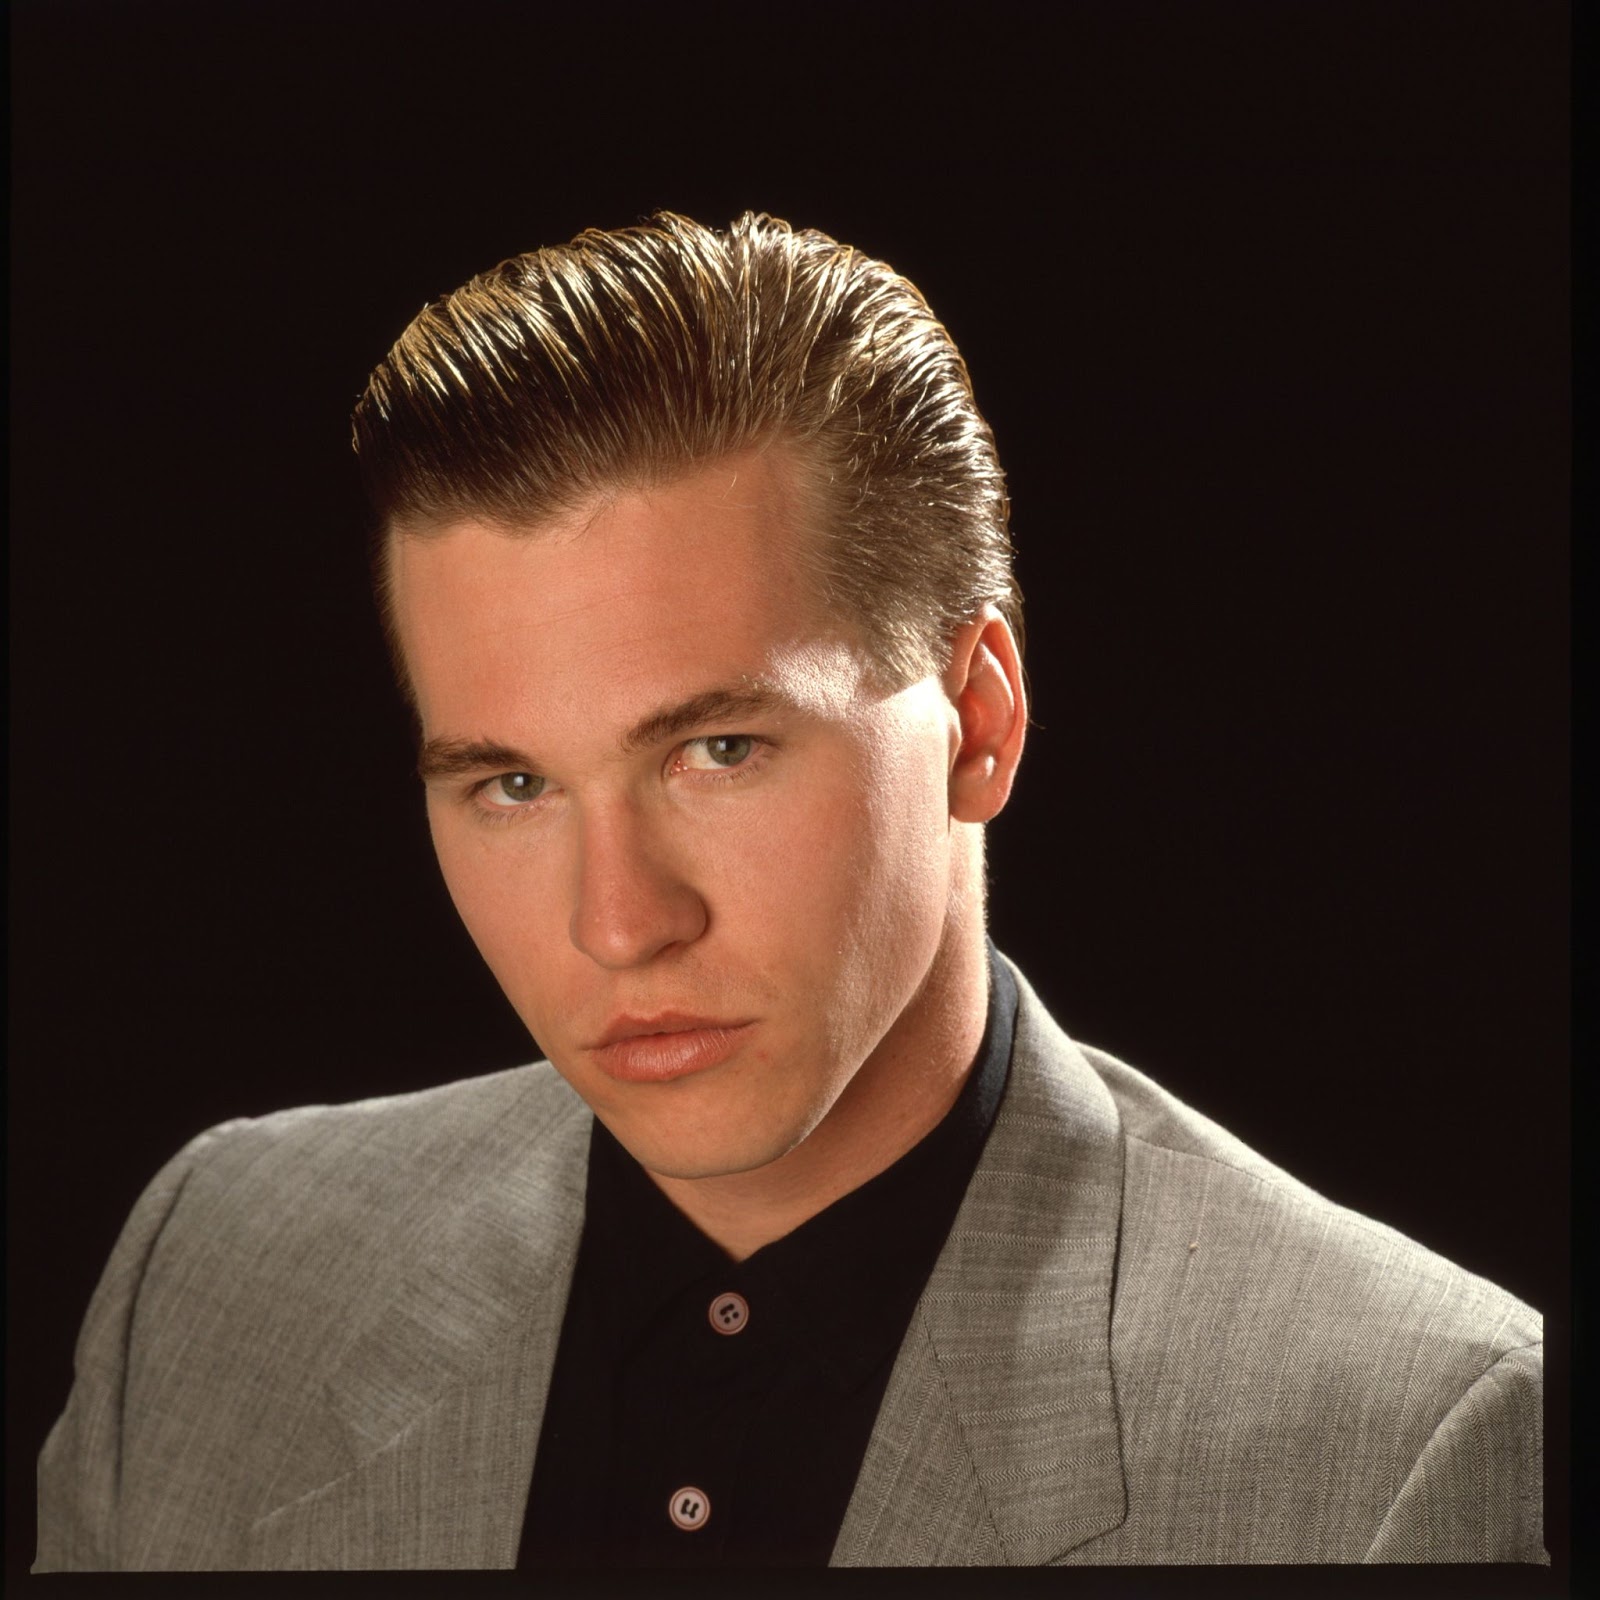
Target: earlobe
985,686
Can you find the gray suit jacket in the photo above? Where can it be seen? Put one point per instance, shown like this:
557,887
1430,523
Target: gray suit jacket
324,1340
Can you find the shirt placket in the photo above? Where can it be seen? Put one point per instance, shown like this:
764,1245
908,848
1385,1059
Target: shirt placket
705,1383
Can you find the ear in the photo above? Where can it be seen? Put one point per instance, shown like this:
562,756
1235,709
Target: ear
984,684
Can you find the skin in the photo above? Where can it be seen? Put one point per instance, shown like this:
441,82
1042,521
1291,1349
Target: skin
809,868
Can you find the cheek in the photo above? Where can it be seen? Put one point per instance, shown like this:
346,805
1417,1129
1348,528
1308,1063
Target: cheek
494,889
911,826
884,848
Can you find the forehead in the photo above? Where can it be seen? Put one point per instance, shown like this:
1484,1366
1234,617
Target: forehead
636,597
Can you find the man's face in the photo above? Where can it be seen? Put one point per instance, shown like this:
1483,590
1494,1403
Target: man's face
707,860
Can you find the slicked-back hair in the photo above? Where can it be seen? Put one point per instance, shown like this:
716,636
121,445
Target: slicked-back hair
627,359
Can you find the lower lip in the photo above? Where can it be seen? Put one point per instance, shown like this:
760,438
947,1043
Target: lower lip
661,1057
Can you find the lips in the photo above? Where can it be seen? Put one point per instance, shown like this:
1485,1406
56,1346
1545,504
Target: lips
661,1048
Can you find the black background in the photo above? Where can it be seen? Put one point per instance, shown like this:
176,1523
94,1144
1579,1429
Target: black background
1268,306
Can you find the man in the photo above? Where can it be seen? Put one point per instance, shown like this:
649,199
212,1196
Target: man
815,1239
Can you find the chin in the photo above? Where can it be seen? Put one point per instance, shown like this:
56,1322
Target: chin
713,1149
694,1158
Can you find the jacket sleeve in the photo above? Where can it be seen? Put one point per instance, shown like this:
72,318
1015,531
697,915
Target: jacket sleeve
1476,1492
80,1467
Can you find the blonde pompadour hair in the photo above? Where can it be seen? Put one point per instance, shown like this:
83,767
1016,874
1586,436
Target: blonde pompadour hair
629,358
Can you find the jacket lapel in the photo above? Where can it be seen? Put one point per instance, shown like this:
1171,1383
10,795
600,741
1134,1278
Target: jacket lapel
421,1453
998,1441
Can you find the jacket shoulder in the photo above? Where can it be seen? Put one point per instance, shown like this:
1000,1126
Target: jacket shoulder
253,1262
1286,1366
270,1196
321,1209
424,1124
1229,1210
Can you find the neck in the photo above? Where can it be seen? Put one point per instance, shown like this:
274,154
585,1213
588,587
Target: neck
899,1095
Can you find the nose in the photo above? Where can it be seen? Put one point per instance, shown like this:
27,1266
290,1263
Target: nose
631,901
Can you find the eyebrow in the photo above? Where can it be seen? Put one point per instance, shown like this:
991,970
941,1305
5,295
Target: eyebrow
454,758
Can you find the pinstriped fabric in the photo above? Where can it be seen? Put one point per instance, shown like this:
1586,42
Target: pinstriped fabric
1467,1461
917,1501
436,1494
1282,1365
1009,1355
310,1324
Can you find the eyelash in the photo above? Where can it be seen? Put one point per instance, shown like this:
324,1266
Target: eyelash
497,816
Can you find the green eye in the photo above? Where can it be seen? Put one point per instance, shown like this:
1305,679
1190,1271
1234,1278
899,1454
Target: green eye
728,750
513,788
718,752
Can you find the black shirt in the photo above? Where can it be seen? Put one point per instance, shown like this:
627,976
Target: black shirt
706,1412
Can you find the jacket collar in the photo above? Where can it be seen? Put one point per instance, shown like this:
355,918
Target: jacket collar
998,1441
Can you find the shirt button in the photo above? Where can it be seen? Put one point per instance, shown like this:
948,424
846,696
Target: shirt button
729,1313
689,1509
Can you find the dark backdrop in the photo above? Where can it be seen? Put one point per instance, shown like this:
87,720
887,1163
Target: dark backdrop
1268,307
